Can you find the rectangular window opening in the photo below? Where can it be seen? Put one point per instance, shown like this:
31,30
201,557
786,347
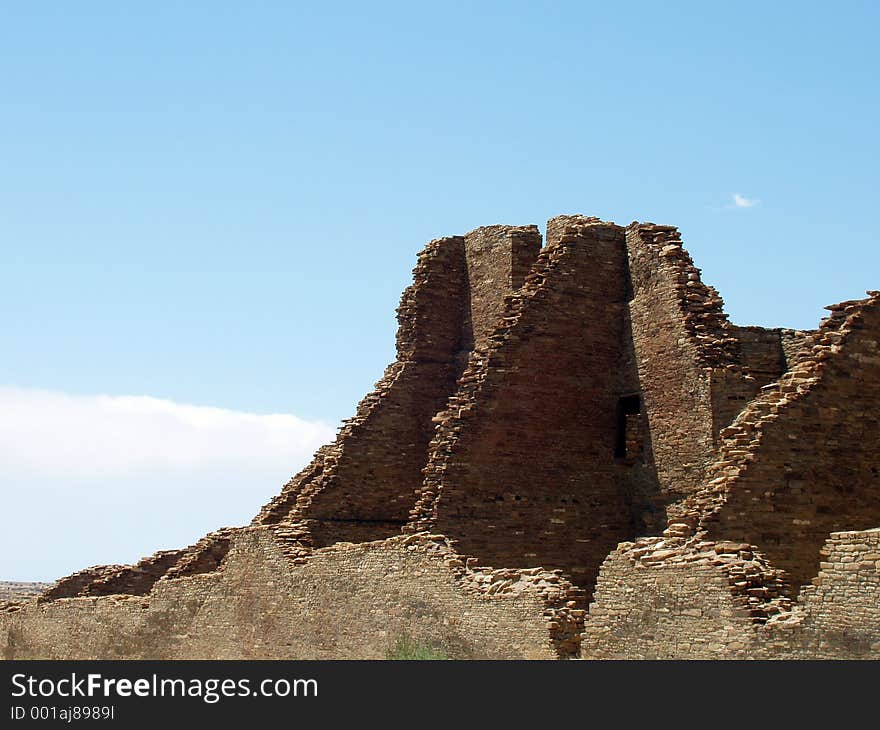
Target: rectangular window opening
629,442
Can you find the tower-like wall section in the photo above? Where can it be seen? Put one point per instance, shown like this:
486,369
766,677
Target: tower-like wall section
680,334
363,486
521,470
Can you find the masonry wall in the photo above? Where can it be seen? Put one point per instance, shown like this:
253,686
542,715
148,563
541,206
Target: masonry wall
362,487
662,598
761,351
841,606
135,579
704,600
763,356
498,260
521,470
344,602
677,612
679,332
138,579
637,472
804,459
793,342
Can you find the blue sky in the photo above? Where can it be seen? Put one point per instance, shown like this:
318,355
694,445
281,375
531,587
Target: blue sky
218,205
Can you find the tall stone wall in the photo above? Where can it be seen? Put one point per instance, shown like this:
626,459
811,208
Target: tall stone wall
680,333
637,470
549,413
802,460
697,371
346,601
521,470
362,487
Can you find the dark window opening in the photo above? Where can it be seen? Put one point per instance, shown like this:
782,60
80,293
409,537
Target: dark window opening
629,442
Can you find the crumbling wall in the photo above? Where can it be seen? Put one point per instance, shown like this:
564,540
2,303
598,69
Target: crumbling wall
206,556
102,580
666,599
793,343
77,584
521,470
345,601
137,580
697,370
761,358
361,487
802,460
699,599
761,351
764,355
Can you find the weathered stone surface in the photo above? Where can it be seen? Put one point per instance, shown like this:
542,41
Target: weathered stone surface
803,457
521,471
568,427
344,601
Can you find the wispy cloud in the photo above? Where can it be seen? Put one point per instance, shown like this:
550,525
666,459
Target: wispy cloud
740,201
108,479
53,434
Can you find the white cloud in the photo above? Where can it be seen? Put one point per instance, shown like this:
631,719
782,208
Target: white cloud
87,480
740,201
56,435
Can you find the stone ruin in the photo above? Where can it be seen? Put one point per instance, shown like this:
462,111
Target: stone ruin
575,454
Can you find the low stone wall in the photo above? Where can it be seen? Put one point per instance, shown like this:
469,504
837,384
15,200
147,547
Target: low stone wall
343,602
841,609
671,599
664,599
